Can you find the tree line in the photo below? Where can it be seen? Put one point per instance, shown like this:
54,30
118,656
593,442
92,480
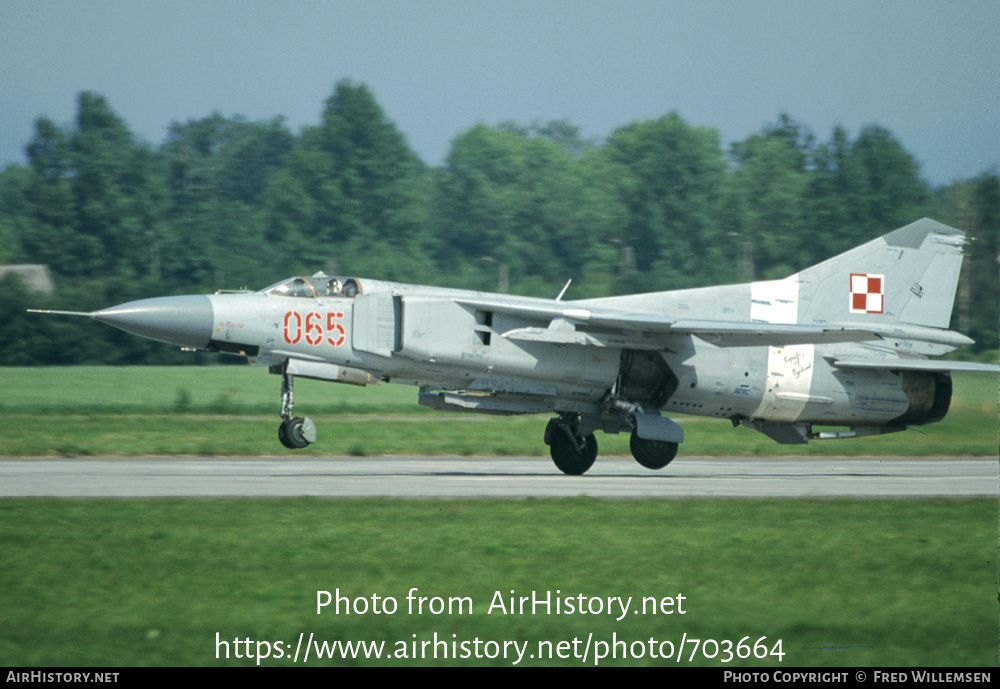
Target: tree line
225,202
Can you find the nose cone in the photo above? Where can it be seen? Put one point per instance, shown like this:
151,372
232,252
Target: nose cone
185,321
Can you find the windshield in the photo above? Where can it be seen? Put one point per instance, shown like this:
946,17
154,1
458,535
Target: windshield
315,286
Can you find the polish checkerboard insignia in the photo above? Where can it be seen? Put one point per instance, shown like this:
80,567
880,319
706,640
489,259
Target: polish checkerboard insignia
867,293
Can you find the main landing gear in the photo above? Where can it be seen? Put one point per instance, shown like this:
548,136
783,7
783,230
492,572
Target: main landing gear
652,454
572,451
574,448
294,432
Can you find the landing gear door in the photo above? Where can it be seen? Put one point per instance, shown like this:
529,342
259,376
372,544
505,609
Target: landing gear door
376,323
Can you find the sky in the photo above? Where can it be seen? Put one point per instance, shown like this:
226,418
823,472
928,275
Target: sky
927,70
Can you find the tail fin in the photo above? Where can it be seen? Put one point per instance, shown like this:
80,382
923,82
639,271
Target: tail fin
908,276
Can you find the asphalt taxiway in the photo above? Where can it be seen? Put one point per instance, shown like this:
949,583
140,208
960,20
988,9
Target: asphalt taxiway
478,477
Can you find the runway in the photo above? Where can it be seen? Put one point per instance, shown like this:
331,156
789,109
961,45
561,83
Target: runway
497,477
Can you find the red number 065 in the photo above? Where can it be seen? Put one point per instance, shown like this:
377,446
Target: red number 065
313,329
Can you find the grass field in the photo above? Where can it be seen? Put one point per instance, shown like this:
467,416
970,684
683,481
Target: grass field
233,410
841,582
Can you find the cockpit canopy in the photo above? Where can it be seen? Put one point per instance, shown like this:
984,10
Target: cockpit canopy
316,286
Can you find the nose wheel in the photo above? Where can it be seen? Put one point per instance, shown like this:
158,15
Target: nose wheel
297,433
294,432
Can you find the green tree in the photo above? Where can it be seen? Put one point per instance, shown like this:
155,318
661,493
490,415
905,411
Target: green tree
95,197
217,170
15,212
835,206
984,263
893,193
768,187
670,181
516,197
53,239
349,182
974,206
117,193
800,203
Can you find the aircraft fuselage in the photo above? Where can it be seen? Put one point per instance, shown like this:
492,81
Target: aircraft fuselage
844,343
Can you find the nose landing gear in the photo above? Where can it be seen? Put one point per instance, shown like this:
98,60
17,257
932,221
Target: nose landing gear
294,432
297,433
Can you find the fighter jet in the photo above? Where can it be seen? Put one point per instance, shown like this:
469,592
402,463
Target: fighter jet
837,350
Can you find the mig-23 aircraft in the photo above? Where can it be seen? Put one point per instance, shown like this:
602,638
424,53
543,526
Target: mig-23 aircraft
844,343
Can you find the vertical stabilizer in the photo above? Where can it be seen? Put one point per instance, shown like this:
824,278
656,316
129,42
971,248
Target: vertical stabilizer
908,276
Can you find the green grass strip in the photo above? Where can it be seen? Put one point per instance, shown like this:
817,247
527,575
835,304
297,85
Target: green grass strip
233,410
839,582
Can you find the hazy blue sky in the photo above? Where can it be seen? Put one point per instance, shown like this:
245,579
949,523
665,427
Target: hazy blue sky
929,71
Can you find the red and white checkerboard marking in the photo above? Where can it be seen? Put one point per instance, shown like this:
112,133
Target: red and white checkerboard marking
867,293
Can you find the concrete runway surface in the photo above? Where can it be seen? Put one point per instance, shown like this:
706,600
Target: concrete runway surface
477,477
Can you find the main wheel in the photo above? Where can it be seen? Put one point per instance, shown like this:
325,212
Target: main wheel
652,454
290,433
568,457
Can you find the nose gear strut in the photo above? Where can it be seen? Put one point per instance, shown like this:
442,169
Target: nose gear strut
294,432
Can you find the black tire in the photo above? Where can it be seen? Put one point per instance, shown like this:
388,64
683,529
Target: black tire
290,434
652,454
568,457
